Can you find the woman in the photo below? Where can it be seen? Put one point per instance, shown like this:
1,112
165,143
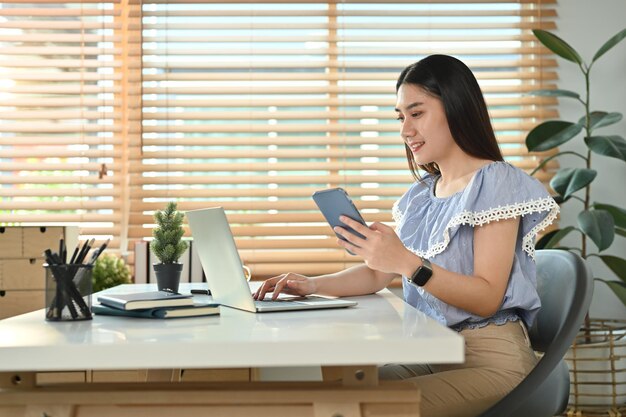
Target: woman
463,242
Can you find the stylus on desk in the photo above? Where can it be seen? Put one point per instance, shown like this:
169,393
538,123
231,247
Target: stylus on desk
202,292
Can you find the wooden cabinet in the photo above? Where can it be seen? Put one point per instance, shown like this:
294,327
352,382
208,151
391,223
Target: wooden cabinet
22,277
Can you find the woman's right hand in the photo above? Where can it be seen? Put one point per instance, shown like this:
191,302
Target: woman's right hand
288,283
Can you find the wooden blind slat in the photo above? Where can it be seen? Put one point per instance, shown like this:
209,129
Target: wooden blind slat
294,140
387,64
291,115
371,13
288,26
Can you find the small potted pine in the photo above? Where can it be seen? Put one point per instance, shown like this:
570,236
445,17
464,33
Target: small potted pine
168,247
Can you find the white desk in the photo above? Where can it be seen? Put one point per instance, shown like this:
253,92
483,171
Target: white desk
380,329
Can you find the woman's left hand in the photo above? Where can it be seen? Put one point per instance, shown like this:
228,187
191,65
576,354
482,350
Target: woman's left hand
381,249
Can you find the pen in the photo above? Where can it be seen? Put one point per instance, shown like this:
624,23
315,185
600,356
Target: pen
99,251
94,256
202,292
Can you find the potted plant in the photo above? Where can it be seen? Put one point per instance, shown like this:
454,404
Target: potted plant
168,247
109,271
594,357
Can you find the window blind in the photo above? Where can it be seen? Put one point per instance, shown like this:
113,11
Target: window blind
61,115
253,106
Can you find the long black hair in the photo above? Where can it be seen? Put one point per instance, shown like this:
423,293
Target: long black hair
453,83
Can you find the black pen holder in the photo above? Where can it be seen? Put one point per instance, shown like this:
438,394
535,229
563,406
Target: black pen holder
68,292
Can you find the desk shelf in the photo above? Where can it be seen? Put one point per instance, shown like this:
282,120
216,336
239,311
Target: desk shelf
22,277
391,399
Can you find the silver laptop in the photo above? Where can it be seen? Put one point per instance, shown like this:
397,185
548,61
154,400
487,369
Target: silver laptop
224,270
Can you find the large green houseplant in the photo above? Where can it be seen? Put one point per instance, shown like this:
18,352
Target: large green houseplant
596,358
168,247
597,221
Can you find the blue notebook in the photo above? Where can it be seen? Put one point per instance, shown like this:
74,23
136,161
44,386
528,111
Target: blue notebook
161,312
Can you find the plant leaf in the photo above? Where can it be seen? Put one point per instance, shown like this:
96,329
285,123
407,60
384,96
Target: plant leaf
609,44
601,118
609,119
556,236
619,288
558,46
618,213
569,180
555,93
599,226
612,146
616,264
551,134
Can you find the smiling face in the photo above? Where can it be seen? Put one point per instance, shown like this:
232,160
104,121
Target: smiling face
424,124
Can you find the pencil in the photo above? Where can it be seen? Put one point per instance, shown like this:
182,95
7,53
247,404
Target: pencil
98,252
85,251
74,254
62,249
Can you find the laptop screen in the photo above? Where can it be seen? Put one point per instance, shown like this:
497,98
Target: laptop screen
219,258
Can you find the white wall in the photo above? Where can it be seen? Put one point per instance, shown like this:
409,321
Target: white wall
586,25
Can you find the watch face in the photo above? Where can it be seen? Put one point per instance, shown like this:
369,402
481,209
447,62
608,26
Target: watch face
421,275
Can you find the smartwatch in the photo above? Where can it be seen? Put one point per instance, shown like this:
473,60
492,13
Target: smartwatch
422,274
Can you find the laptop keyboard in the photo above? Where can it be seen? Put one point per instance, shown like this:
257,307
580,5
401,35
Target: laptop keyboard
272,302
296,300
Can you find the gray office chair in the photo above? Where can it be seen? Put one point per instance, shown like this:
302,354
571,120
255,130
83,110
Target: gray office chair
565,286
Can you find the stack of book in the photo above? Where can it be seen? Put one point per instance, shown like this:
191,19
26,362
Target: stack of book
153,304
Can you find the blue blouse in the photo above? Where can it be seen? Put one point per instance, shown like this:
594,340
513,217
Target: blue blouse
442,230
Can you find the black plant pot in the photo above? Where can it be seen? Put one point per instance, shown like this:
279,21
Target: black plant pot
168,276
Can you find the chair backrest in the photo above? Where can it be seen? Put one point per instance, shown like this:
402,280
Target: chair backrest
565,286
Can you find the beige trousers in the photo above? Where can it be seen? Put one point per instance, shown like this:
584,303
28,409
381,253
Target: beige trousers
497,358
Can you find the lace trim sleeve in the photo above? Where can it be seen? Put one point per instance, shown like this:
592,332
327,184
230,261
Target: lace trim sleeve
510,211
396,214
